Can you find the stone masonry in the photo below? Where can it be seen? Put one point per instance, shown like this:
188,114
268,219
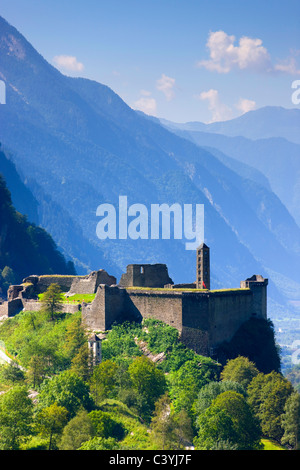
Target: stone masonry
204,318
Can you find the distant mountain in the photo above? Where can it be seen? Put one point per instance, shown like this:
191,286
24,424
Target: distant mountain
275,158
262,123
77,145
22,198
24,247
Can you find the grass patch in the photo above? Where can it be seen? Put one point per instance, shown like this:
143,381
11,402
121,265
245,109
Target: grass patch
137,435
183,289
271,445
76,298
166,289
80,298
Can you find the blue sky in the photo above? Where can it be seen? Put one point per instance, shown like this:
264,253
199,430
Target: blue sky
182,60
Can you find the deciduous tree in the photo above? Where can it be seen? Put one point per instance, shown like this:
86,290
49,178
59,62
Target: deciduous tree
16,414
52,300
50,422
268,394
239,370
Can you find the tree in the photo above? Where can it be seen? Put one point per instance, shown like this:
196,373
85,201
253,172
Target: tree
76,336
239,370
78,430
80,363
103,380
103,425
100,443
183,431
290,420
228,422
148,380
268,394
67,390
36,370
245,423
8,277
16,413
162,424
215,427
52,300
12,373
51,421
210,391
187,381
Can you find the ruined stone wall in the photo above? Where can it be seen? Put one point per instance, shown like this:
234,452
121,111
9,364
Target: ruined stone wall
89,284
41,283
93,314
3,309
145,275
35,306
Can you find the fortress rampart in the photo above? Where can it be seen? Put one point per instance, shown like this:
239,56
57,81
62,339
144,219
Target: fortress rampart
204,318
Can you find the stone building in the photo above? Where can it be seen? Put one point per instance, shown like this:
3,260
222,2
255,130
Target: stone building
95,349
204,318
203,267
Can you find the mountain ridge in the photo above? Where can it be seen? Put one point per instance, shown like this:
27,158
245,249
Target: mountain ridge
76,142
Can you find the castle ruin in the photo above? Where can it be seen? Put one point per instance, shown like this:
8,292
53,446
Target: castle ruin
204,318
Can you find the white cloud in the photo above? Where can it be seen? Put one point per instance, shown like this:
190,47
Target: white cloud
288,66
225,56
146,104
219,110
245,105
68,62
166,85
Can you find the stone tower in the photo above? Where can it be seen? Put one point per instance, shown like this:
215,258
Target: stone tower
94,344
203,267
258,285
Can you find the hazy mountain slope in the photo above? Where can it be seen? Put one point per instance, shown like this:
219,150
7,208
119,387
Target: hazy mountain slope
78,145
276,158
24,247
22,198
262,123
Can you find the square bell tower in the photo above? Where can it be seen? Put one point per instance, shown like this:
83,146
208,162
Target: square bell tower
203,267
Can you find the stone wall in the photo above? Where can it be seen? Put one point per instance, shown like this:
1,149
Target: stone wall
165,306
41,283
93,314
203,319
3,309
258,286
89,284
11,308
35,306
72,284
145,275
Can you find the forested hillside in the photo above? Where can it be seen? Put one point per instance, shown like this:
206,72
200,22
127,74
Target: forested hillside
149,391
25,248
